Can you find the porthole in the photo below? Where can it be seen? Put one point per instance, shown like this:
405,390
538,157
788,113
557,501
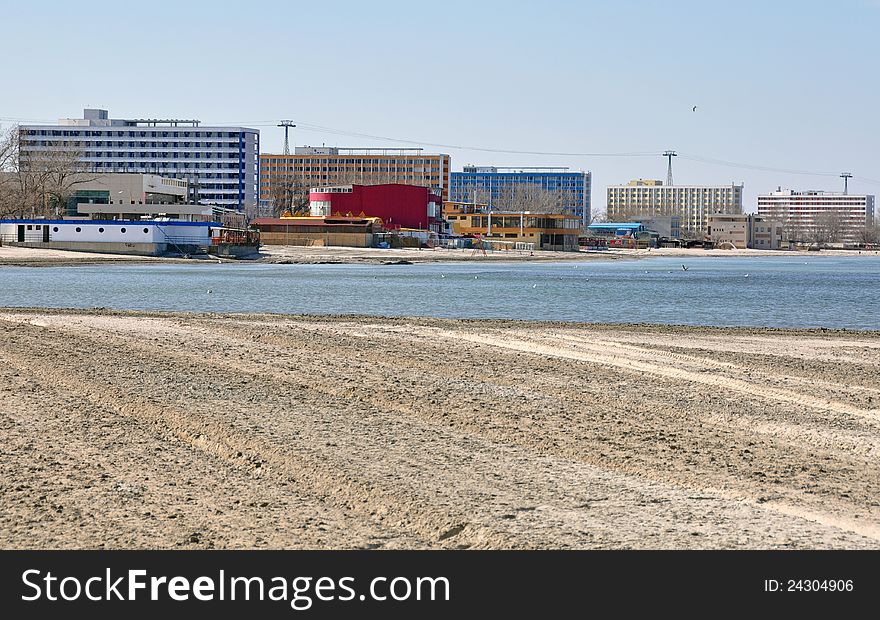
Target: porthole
100,230
122,230
146,231
78,229
55,229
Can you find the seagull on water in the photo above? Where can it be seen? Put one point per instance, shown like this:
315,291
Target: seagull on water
684,267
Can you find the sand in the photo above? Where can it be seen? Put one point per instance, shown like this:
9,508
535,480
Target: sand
166,430
296,255
299,255
16,256
744,252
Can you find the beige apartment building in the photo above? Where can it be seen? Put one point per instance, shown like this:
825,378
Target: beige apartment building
288,178
692,203
819,217
744,230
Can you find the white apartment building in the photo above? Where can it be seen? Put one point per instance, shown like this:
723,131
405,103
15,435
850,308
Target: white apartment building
817,216
692,203
221,164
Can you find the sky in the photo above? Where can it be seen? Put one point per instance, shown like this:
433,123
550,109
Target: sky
781,87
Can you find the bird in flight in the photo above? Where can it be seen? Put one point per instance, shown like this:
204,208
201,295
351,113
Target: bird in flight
695,109
684,267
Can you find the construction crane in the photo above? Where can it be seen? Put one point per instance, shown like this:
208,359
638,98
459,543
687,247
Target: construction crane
287,125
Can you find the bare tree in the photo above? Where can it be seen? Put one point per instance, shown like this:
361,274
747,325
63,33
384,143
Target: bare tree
869,235
793,230
289,192
37,183
828,227
530,197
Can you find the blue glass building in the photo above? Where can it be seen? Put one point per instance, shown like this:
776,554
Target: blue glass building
518,189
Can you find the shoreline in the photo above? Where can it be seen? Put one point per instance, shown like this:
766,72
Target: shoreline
660,328
209,431
11,256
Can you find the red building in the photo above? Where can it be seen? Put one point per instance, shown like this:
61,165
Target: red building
397,205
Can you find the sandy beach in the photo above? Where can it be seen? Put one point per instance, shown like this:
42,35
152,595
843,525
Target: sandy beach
14,256
166,430
292,255
297,255
745,252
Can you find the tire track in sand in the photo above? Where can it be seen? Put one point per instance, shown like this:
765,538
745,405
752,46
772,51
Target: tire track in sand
653,364
597,354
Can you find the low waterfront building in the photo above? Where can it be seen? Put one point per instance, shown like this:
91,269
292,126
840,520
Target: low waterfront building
623,234
818,216
131,196
745,230
691,203
140,237
668,226
396,205
547,231
355,232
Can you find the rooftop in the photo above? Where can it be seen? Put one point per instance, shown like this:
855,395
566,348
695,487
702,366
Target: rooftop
515,169
345,150
812,192
101,118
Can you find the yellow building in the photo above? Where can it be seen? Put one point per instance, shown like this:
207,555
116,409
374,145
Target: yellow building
548,231
745,230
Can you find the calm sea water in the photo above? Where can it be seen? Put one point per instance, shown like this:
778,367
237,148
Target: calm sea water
762,291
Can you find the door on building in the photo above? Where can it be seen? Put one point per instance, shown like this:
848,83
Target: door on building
21,233
45,233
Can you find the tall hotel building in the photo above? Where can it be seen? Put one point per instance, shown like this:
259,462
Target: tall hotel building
692,203
819,216
309,167
512,189
220,163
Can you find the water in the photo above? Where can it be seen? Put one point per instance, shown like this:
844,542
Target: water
839,292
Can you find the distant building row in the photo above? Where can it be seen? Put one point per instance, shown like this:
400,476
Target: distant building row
795,217
223,166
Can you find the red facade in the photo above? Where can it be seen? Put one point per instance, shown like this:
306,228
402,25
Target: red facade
398,206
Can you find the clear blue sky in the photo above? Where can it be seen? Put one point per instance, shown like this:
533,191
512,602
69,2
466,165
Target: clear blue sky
781,84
